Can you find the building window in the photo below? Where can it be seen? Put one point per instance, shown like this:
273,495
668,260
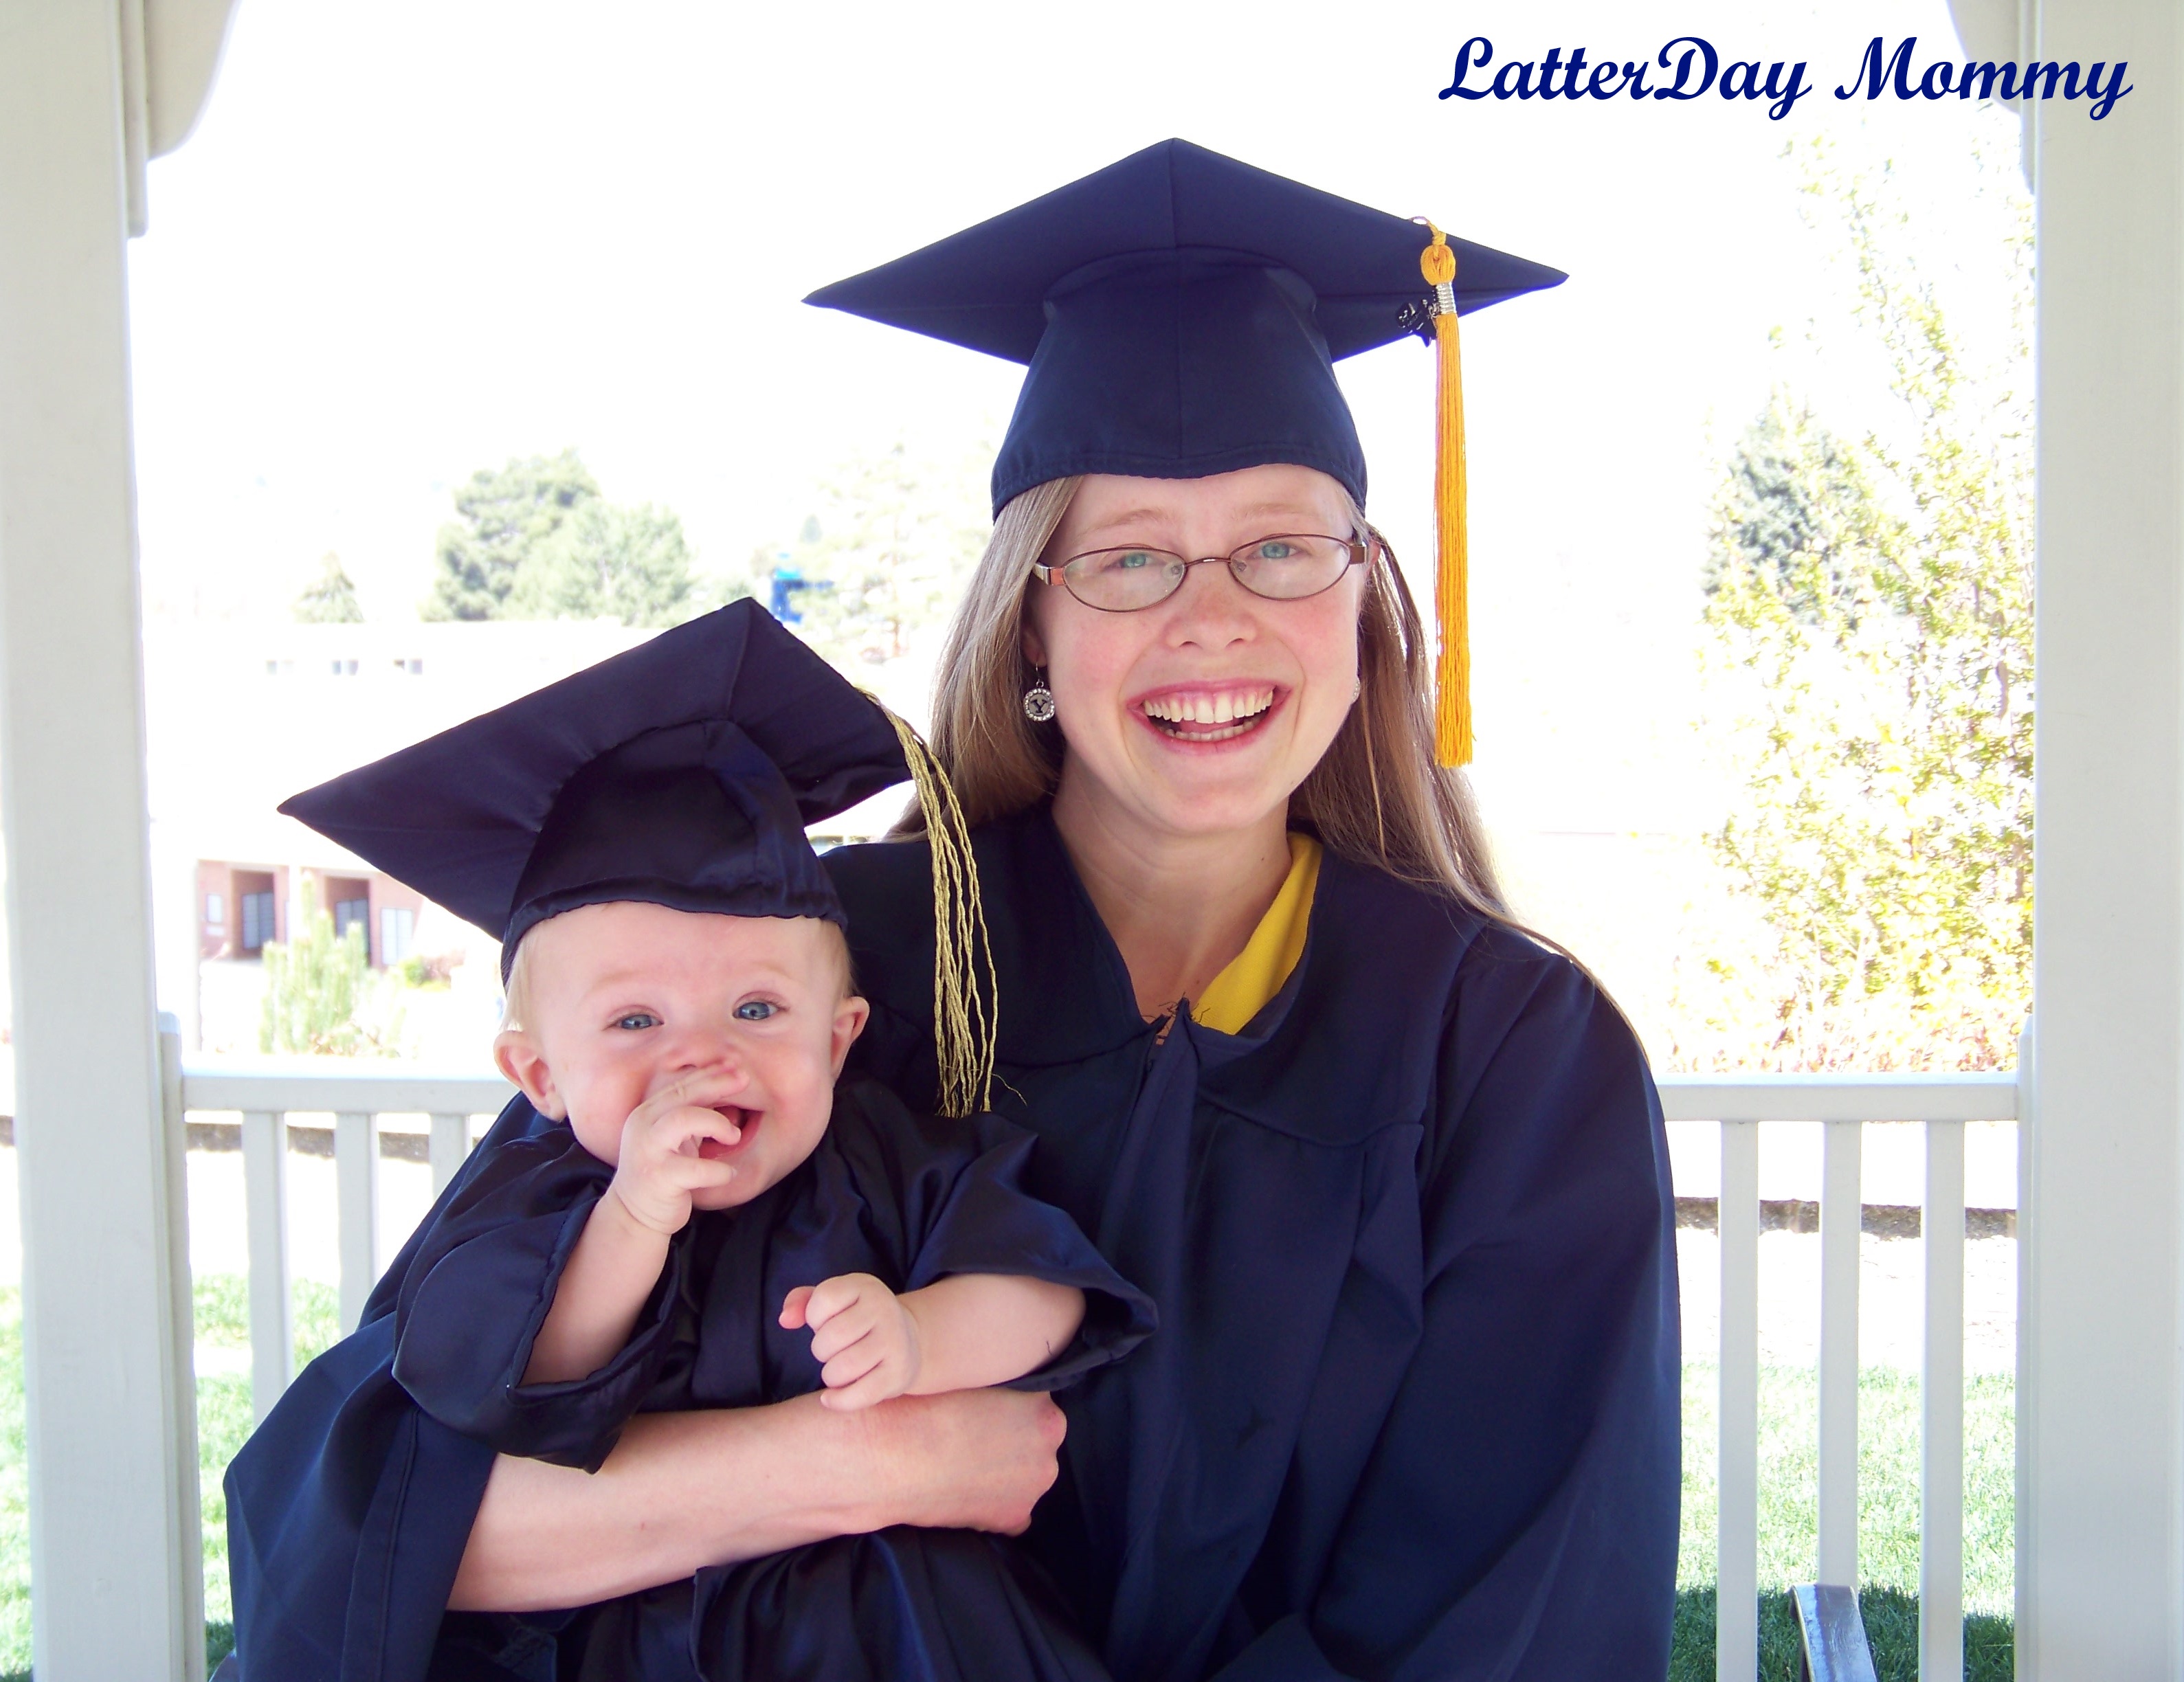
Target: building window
258,925
280,668
344,668
414,668
398,929
216,914
350,901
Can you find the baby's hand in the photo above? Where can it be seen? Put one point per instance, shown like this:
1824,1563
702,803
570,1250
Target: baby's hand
862,1335
663,1159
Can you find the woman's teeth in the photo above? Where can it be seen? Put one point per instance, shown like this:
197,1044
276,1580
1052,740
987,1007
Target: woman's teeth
1209,717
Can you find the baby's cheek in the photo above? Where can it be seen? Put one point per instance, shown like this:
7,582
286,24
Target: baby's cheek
603,1138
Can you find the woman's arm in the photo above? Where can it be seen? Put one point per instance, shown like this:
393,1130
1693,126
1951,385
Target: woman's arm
685,1490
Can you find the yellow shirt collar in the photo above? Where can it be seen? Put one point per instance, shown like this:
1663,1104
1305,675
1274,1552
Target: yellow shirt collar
1257,973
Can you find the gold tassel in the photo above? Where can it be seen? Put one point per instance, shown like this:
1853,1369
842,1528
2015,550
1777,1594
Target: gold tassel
1451,583
963,1014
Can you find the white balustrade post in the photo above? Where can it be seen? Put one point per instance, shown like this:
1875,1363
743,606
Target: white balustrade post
2101,1572
1736,1479
188,1507
1941,1410
266,1216
101,1382
1842,1216
451,1144
356,1183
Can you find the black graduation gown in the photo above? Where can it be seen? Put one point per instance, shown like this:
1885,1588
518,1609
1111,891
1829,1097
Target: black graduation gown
909,1198
1413,1410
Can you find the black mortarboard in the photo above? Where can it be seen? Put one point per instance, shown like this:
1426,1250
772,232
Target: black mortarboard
1181,313
681,773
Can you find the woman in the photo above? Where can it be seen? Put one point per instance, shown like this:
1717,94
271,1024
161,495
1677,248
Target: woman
1394,1173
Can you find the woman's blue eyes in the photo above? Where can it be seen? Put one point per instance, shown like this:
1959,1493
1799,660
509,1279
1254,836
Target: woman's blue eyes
1275,549
754,1011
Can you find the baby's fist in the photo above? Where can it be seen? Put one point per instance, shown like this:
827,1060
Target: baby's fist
863,1337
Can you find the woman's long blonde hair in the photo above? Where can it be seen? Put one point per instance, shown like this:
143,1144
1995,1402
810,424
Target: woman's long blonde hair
1376,797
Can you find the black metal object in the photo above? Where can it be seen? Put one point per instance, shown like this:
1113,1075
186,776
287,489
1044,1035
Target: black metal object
1831,1645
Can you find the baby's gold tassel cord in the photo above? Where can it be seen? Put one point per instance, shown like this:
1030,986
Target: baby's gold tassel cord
1452,671
963,1014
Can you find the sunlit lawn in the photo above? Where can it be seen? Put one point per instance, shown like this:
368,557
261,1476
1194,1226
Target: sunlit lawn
1888,1482
223,1422
1888,1520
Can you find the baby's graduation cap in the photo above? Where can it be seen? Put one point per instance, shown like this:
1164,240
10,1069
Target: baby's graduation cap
1181,313
679,773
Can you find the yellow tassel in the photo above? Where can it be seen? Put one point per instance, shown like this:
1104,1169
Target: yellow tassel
1452,671
963,1014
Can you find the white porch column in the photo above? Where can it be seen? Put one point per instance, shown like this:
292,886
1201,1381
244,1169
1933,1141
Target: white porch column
2101,1475
110,1551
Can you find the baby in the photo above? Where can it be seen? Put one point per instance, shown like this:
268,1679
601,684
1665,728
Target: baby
697,1054
689,1207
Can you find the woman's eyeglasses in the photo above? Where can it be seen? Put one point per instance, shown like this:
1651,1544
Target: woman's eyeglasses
1286,567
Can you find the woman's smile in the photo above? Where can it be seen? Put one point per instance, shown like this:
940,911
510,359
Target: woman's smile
1203,715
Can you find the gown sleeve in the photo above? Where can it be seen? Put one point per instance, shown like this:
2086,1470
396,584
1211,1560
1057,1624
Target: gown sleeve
1517,1518
471,1302
959,1187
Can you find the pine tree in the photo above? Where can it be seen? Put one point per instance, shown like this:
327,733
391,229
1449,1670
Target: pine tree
330,598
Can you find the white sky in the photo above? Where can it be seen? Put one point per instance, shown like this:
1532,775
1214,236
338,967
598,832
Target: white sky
412,240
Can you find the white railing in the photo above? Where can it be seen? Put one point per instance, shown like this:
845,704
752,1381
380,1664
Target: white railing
1845,1103
358,1096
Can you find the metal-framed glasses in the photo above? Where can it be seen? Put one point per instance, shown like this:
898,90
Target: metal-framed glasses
1285,567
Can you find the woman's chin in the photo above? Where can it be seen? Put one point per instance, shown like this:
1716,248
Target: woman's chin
1200,807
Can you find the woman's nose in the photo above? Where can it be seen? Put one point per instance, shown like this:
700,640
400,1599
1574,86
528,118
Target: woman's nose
1211,608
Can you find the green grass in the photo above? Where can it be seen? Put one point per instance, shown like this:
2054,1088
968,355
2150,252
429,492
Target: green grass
223,1321
1888,1520
223,1422
1888,1485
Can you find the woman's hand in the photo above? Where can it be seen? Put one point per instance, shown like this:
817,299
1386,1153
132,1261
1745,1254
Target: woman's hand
969,1460
685,1490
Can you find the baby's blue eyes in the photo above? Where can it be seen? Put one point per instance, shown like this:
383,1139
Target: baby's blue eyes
750,1011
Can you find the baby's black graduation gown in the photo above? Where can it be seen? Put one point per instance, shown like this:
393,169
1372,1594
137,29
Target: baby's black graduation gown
349,1508
909,1198
1412,1411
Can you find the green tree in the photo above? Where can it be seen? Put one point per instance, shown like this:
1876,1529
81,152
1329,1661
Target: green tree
608,562
317,985
1794,510
887,553
502,518
331,597
1872,621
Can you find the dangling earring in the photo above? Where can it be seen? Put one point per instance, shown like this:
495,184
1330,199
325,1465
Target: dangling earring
1356,687
1039,699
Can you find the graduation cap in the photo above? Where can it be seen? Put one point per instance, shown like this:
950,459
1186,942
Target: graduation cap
1180,313
679,773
